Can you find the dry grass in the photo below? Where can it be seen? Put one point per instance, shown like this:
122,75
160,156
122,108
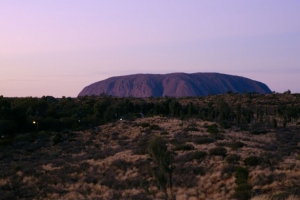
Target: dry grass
266,197
92,165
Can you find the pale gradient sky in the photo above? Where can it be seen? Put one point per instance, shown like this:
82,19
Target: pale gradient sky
56,48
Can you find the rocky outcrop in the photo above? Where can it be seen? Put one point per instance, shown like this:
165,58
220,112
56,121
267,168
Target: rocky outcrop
174,85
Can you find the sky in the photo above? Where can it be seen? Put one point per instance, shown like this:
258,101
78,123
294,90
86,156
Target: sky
57,48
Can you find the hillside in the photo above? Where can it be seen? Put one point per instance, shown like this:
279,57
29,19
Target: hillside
174,85
111,162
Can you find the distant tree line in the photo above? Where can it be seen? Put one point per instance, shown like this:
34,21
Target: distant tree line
56,114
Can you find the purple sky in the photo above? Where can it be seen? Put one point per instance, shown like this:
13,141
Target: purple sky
58,47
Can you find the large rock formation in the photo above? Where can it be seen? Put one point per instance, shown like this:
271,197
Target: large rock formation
174,85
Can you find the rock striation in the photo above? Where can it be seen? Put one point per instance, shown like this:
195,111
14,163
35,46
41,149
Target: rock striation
174,85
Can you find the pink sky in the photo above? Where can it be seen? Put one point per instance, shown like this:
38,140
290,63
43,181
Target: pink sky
58,47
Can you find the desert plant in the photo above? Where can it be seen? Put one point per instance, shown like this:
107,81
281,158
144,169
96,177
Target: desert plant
241,175
164,133
213,129
218,151
227,171
163,163
252,161
233,158
204,140
236,145
144,125
115,135
191,129
154,127
199,155
183,147
243,191
57,138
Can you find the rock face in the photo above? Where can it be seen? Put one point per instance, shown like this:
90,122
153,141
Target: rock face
174,85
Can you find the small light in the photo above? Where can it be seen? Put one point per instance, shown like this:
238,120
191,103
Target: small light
33,122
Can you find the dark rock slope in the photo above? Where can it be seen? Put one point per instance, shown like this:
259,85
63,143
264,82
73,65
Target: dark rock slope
174,85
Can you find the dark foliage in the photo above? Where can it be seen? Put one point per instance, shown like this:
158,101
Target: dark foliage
233,158
183,147
218,151
252,161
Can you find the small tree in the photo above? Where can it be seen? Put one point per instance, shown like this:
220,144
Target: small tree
163,164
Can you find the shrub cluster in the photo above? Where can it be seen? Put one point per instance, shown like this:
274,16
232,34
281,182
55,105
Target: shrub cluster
218,151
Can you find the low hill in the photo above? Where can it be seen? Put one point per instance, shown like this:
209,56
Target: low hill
174,85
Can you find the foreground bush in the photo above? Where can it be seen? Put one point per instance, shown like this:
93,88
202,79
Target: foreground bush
218,151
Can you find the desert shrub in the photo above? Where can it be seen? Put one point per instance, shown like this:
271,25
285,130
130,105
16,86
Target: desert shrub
52,190
182,137
244,127
218,137
84,166
204,140
227,171
280,196
57,138
115,195
225,125
58,163
138,196
105,153
271,159
243,191
221,144
263,179
191,129
184,158
123,143
213,129
236,145
147,131
241,175
110,181
25,192
218,151
141,147
7,127
85,190
199,155
115,135
198,170
185,175
154,127
184,147
233,158
144,124
90,178
259,131
252,161
120,164
164,133
26,137
163,162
